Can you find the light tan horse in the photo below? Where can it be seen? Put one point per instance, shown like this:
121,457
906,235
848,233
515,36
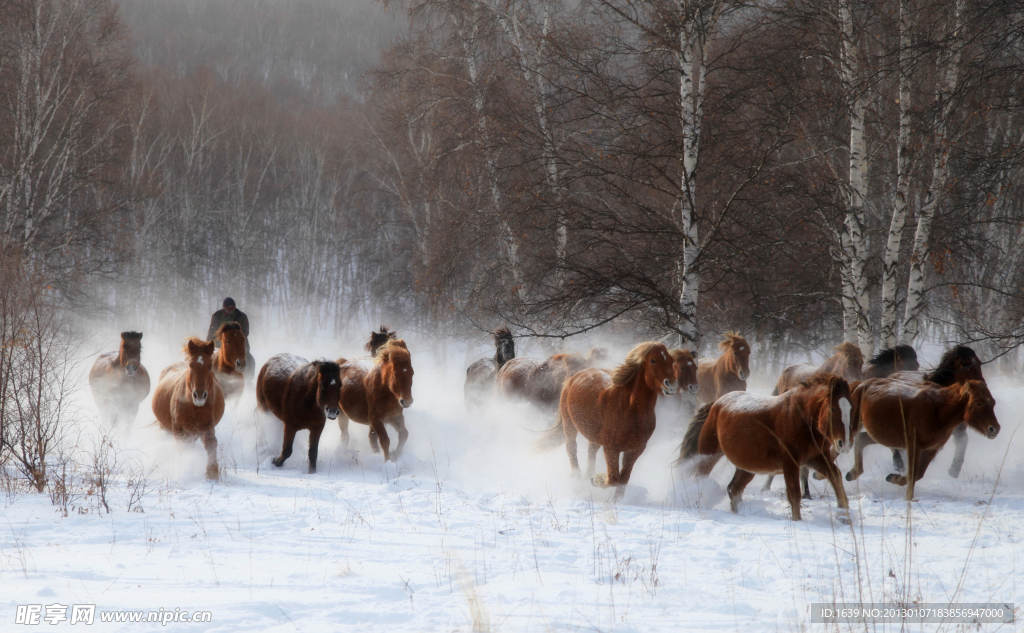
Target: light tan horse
728,372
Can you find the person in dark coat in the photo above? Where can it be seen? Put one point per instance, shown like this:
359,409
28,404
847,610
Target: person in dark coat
227,314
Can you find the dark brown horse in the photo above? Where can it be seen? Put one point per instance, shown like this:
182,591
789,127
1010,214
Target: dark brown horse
482,375
917,417
767,434
302,394
119,382
892,359
958,365
615,410
189,402
230,359
684,362
540,382
729,372
377,396
847,363
378,338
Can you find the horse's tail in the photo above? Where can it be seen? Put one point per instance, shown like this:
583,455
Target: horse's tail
689,446
552,437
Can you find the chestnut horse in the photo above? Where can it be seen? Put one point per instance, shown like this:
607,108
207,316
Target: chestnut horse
729,372
230,358
919,418
684,362
378,338
615,410
767,434
377,396
958,365
119,382
189,402
302,394
847,363
540,382
483,373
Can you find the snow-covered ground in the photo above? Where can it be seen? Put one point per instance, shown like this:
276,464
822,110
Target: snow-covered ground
472,529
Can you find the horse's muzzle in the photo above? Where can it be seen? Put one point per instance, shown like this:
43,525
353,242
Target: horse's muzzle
406,403
199,399
692,388
131,370
239,365
331,413
992,431
743,375
667,388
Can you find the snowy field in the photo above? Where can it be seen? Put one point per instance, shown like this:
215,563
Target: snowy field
472,530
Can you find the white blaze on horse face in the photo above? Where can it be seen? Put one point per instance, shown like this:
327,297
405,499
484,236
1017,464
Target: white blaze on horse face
844,409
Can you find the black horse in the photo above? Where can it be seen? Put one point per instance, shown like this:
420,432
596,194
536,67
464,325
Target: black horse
481,375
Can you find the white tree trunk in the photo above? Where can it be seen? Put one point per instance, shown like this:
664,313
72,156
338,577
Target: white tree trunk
891,262
856,322
940,174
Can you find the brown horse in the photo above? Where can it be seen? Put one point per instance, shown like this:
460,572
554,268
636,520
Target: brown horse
482,375
230,358
615,410
847,363
377,396
379,338
958,365
540,382
768,434
119,382
684,362
189,402
729,372
919,418
892,359
302,394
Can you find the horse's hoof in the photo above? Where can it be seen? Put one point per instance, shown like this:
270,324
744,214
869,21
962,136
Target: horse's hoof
897,479
312,470
600,480
807,495
954,472
850,476
818,476
277,461
212,473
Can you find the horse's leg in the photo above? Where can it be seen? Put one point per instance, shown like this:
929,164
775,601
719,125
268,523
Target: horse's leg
919,460
210,444
897,460
628,459
740,479
403,434
831,472
960,444
791,473
570,432
379,433
286,446
611,461
862,440
706,465
768,483
314,446
343,427
804,472
592,448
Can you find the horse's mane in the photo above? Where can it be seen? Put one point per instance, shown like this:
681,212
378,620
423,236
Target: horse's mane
502,333
850,350
945,373
227,326
730,337
328,368
131,335
888,355
194,341
379,338
393,344
630,368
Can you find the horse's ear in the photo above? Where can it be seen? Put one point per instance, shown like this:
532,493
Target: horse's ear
208,347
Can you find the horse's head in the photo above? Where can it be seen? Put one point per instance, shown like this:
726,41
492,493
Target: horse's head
959,364
379,338
505,345
232,344
129,354
199,377
834,409
737,352
980,413
851,360
396,369
651,363
685,364
328,387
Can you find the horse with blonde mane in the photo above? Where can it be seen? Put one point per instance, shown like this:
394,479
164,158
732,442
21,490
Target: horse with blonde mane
614,410
378,396
728,372
229,361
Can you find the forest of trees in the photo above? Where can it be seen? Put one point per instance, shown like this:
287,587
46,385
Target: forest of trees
804,172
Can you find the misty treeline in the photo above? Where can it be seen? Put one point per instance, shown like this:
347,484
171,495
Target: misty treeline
803,172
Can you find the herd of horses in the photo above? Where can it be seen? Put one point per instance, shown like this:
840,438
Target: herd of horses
814,413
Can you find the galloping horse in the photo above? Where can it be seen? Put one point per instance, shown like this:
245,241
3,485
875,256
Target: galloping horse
767,434
615,410
377,396
684,363
892,359
540,382
846,363
302,394
378,338
189,402
919,418
119,382
729,372
230,359
958,365
482,374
